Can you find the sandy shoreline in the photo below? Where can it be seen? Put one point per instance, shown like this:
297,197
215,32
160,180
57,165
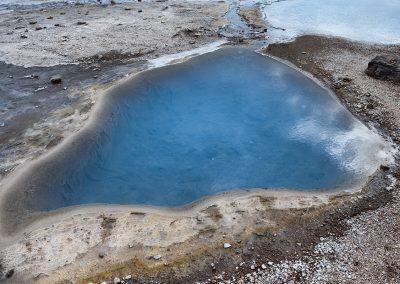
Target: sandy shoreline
96,243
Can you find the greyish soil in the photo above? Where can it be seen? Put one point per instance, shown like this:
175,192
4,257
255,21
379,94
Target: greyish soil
90,46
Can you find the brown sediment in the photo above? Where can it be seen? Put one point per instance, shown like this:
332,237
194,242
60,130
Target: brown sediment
253,17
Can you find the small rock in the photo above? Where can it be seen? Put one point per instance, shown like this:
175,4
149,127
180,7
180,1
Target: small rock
227,245
56,79
263,266
252,267
39,28
81,23
101,254
384,168
127,8
270,263
24,36
33,22
370,106
157,257
10,273
384,68
117,280
32,76
40,89
346,79
140,11
127,277
50,17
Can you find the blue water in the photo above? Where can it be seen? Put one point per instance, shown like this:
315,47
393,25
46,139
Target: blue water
226,120
361,20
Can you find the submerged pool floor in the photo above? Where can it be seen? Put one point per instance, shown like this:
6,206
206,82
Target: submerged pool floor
231,119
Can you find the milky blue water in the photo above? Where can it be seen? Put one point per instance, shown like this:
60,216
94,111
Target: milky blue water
231,119
360,20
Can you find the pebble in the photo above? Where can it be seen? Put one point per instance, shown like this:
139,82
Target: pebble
40,89
10,273
56,79
227,245
263,266
157,257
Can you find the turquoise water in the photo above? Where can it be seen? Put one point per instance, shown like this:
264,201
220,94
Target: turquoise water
231,119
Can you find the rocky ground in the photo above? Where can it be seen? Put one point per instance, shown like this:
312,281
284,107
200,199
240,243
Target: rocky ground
90,47
257,237
367,250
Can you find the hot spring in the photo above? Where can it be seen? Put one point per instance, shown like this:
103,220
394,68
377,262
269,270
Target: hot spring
230,119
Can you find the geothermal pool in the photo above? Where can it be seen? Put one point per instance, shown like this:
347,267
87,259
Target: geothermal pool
230,119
